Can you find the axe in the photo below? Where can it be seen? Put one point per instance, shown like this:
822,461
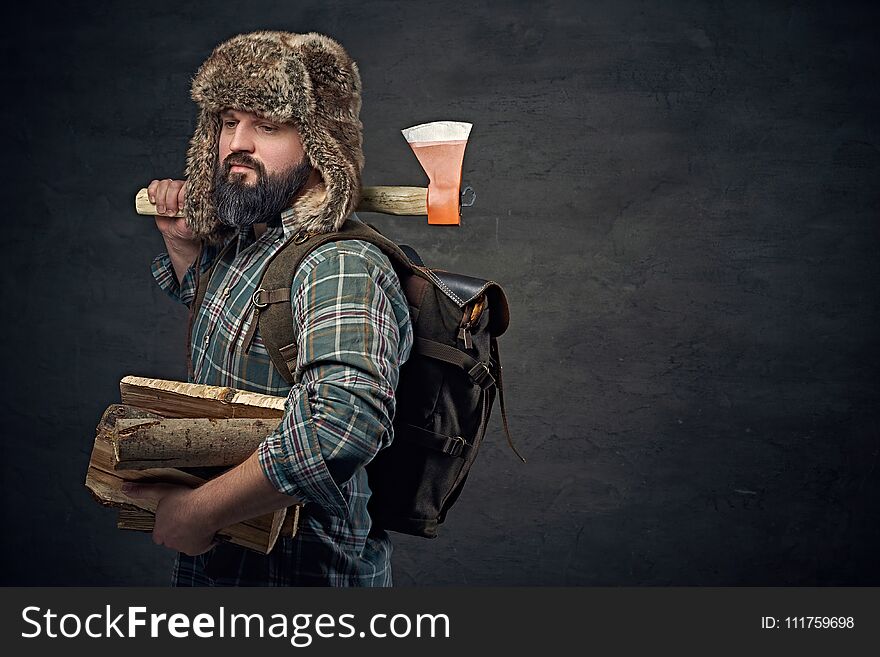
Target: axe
439,147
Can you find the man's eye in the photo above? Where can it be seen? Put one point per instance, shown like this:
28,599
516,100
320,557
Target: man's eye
269,128
229,124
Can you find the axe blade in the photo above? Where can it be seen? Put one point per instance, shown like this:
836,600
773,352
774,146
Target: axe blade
439,147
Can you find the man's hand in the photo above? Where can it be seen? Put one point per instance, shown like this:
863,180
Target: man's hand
183,248
187,519
168,196
181,522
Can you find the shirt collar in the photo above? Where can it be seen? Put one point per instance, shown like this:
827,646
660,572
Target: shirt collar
285,226
245,236
288,223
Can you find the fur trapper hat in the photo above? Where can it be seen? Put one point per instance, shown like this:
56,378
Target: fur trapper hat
304,79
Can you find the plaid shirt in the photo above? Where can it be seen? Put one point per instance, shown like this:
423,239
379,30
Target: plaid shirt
353,332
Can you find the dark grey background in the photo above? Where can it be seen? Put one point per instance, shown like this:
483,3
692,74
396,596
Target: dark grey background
680,198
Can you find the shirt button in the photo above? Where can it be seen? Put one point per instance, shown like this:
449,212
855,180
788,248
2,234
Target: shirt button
226,293
207,339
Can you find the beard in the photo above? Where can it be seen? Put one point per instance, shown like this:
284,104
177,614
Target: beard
240,204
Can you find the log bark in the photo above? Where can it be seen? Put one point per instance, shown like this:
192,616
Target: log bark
187,442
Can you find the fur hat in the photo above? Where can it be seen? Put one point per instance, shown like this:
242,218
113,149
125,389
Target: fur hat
304,79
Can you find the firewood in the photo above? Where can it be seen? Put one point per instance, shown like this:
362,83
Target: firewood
105,484
177,399
143,521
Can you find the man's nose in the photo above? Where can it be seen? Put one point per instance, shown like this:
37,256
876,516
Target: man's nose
242,141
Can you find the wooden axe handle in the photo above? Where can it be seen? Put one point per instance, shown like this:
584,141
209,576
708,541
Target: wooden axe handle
408,201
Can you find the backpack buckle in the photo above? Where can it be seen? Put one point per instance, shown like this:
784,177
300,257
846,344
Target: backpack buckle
302,236
481,375
454,446
255,299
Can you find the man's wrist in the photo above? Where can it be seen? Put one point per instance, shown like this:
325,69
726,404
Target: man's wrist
206,509
182,247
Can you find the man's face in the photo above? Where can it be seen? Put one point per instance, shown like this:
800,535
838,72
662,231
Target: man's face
246,136
261,168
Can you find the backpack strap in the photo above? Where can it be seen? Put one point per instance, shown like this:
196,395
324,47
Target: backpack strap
201,284
479,372
271,301
494,355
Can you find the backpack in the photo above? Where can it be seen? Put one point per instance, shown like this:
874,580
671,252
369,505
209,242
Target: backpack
446,388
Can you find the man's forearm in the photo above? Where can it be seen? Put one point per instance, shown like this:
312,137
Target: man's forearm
239,494
187,519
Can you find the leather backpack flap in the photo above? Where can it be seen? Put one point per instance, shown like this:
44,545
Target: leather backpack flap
464,289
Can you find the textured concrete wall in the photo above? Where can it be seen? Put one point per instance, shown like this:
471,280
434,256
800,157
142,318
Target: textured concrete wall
680,198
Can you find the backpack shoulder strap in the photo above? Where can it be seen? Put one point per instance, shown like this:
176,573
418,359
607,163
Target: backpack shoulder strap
201,285
271,301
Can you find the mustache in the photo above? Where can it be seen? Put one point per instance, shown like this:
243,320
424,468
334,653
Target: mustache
245,160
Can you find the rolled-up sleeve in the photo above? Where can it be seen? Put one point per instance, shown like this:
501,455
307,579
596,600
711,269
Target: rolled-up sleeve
340,414
182,291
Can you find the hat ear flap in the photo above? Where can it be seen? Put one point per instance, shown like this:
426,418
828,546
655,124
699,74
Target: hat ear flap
324,208
201,164
330,133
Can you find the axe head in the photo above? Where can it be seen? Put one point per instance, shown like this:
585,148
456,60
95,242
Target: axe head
439,147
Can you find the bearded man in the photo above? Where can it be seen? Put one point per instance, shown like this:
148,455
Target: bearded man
277,156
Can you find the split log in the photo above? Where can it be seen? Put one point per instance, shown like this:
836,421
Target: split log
186,442
105,484
173,399
135,519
